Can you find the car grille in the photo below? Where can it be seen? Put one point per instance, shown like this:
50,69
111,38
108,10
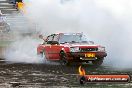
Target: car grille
88,49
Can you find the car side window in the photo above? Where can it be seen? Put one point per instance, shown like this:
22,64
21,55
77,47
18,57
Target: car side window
50,38
55,38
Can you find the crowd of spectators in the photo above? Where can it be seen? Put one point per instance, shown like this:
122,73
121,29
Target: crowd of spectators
15,1
18,4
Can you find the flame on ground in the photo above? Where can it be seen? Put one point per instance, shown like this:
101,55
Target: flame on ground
81,71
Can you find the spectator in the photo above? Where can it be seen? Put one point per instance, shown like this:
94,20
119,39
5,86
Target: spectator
13,1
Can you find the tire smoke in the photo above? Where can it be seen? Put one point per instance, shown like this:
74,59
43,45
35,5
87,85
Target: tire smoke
23,51
106,22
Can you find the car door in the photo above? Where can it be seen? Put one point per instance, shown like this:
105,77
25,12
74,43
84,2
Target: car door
48,47
55,48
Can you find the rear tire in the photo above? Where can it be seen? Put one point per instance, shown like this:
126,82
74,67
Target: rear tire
41,54
63,60
98,61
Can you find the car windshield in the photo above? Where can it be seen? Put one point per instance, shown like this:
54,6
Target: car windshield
73,38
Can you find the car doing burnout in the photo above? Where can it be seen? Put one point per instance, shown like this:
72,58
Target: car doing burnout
71,47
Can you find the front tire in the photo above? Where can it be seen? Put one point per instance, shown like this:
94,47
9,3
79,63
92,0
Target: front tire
98,61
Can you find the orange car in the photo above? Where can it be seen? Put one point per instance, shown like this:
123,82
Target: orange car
71,47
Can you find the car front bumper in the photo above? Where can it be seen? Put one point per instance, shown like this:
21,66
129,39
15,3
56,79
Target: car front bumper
86,55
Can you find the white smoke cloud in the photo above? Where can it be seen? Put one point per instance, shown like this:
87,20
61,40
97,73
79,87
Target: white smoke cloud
110,23
107,22
54,15
24,50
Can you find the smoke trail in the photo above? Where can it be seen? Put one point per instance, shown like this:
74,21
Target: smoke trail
23,46
23,50
107,22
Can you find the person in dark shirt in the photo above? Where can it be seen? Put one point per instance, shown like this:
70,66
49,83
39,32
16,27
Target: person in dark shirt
14,1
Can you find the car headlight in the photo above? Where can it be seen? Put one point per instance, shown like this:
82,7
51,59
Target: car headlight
74,49
101,48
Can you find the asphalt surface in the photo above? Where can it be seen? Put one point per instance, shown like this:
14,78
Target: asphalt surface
53,76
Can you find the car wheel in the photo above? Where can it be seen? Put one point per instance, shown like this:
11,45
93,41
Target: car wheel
98,62
41,55
63,60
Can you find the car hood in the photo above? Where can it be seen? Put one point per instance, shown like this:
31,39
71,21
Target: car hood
81,45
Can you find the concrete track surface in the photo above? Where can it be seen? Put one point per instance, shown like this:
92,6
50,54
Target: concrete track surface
53,76
22,75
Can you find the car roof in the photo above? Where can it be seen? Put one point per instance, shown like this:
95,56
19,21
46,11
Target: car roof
65,34
71,33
